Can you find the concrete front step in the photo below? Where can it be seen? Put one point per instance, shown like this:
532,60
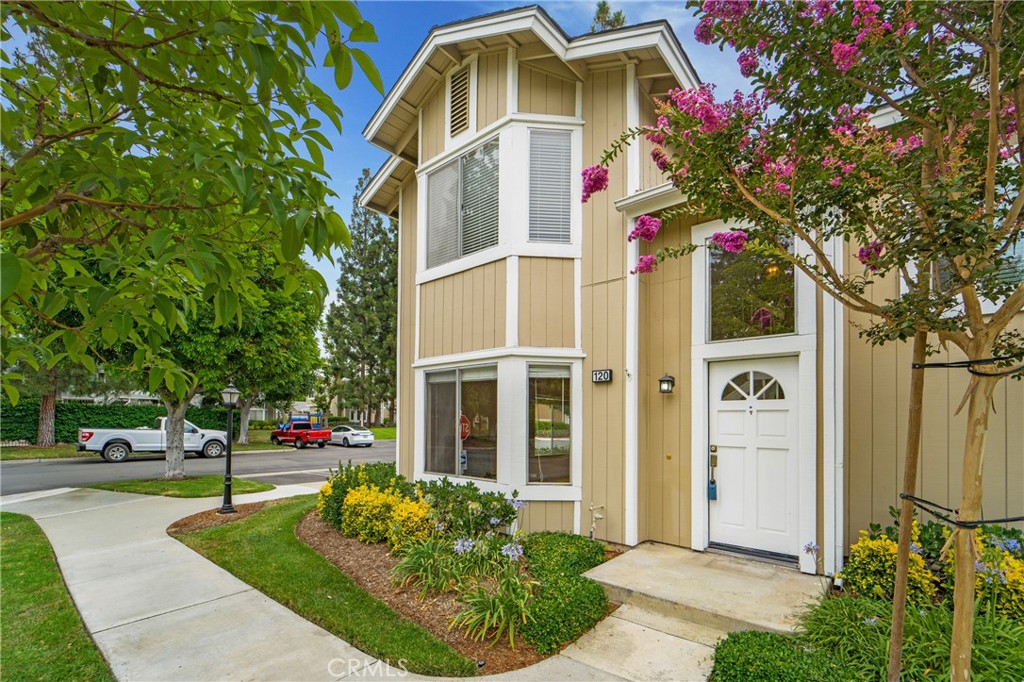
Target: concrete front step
719,592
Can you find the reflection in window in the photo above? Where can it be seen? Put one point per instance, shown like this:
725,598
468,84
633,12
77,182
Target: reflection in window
550,434
463,442
749,295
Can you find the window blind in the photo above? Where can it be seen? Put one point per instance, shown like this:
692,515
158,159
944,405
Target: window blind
550,179
480,199
443,215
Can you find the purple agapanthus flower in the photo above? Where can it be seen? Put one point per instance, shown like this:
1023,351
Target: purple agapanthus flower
495,521
512,550
463,545
517,504
812,548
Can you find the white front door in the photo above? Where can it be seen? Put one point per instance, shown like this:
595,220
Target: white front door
753,436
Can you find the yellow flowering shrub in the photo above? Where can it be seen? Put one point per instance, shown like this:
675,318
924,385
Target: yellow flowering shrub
409,521
871,571
999,575
367,510
325,494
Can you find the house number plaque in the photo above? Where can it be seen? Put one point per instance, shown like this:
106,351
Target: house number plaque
602,376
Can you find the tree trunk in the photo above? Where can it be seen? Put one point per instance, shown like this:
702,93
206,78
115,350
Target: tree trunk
899,599
175,435
46,430
970,510
243,428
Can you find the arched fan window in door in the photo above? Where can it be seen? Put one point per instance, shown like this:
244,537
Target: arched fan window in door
753,385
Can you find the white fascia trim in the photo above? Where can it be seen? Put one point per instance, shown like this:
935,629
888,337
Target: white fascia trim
499,252
542,354
650,200
512,81
398,346
833,386
654,36
885,116
379,178
803,345
510,22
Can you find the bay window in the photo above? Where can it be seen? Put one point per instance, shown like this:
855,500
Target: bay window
549,441
462,422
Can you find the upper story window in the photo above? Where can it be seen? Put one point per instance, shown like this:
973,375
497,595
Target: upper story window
550,185
458,103
462,206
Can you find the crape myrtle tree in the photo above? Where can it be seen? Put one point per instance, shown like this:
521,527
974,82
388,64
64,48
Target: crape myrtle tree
934,199
154,142
362,324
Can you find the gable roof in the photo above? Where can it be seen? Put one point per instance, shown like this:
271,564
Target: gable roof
539,41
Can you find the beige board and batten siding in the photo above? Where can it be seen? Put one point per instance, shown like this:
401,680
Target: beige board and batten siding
877,399
557,516
492,88
604,311
463,312
650,176
547,308
543,93
665,420
432,125
407,329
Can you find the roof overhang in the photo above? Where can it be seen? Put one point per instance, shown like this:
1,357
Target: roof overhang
381,194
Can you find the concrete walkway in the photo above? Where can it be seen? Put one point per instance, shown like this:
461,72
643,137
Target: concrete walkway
159,611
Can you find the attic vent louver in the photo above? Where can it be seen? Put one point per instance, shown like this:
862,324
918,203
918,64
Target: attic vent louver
459,103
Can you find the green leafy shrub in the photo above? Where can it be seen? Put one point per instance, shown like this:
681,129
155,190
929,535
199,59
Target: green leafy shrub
550,554
755,656
855,632
21,421
463,510
348,476
564,608
871,570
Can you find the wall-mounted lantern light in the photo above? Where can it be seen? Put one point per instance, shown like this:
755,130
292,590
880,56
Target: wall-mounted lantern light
666,383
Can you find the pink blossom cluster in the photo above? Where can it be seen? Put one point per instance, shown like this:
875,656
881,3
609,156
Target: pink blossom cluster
901,148
724,13
869,255
780,168
715,116
1009,112
819,10
748,62
762,317
832,163
645,264
845,56
660,158
646,228
733,241
595,179
656,134
848,120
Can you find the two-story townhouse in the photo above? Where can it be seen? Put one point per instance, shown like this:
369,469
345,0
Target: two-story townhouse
531,360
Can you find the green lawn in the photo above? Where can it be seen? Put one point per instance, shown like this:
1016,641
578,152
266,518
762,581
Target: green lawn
258,440
384,432
193,486
41,634
314,588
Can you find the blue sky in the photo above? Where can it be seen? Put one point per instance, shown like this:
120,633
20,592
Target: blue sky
401,28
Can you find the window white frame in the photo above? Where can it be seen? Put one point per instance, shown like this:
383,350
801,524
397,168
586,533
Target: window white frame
548,198
513,188
513,407
803,345
573,421
459,380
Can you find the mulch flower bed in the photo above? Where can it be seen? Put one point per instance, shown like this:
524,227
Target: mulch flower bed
370,567
210,518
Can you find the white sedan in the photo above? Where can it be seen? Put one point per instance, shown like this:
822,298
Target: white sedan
347,436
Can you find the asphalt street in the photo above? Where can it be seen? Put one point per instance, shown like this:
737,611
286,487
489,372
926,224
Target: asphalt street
278,467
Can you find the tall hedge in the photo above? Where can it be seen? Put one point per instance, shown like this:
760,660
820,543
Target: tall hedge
20,422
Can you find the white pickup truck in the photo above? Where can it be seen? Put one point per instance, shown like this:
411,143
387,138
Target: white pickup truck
114,445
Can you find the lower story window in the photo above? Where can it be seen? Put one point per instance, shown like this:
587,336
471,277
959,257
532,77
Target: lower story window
462,422
549,447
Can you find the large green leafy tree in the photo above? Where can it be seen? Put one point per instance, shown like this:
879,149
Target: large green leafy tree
154,142
934,199
362,325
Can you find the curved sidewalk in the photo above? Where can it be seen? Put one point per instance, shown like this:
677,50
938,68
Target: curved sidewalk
159,611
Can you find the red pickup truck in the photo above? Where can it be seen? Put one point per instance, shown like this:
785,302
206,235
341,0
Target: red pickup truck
301,434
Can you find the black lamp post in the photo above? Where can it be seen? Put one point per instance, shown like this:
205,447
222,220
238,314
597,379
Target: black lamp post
230,396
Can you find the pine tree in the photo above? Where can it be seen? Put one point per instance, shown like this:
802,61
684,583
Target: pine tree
605,20
362,325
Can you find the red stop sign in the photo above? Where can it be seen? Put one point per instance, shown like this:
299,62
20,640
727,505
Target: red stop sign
464,427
